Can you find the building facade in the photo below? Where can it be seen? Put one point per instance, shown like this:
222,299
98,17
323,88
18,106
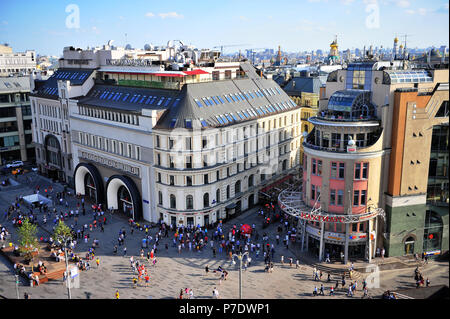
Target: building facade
181,144
16,63
15,120
366,159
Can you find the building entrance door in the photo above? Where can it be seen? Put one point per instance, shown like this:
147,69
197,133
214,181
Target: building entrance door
409,246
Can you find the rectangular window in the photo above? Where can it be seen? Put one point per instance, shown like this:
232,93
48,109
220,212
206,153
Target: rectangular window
157,141
188,143
138,153
313,166
333,197
313,192
172,180
319,168
356,198
341,170
188,180
205,179
333,170
357,170
365,168
170,143
188,161
363,197
340,198
204,141
171,163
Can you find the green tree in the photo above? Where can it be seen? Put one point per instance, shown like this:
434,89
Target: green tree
28,242
62,232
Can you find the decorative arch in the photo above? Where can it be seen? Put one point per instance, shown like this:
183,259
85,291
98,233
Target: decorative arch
79,176
112,188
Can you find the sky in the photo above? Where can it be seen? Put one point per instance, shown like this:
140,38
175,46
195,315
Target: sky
296,25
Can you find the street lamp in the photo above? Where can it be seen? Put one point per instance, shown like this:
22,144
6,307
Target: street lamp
17,285
240,257
66,241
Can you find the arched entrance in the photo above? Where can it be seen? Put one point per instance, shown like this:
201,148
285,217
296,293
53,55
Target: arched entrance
409,245
125,205
52,151
88,182
123,195
251,201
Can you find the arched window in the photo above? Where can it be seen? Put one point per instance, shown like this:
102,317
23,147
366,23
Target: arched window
189,202
173,201
237,187
250,181
206,200
218,195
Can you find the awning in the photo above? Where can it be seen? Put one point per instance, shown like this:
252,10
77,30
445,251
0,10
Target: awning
231,206
195,72
280,181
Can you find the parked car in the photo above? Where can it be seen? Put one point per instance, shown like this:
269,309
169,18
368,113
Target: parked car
14,164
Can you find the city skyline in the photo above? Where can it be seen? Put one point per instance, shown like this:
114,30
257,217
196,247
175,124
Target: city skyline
292,25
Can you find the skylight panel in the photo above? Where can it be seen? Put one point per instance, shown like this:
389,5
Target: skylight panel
238,97
132,99
168,101
203,122
154,99
176,102
228,99
242,96
229,117
224,119
125,97
198,103
116,96
234,117
232,96
252,95
137,98
240,115
247,96
143,98
110,96
216,100
245,114
278,90
161,100
211,101
148,100
219,119
188,123
220,99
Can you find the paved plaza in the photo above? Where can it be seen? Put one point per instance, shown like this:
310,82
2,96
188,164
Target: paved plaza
175,271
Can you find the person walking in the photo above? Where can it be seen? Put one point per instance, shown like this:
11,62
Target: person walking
331,291
97,261
124,251
117,294
215,293
321,290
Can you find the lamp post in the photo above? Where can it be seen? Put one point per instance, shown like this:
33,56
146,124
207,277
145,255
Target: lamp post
240,257
66,240
17,285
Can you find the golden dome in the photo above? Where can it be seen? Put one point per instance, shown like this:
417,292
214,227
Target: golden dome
401,46
396,40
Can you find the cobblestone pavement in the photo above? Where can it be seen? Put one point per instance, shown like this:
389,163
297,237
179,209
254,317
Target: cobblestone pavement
175,271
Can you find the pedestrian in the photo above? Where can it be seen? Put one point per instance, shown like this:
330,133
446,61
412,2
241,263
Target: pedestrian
147,280
315,291
382,253
282,259
117,294
331,291
297,264
135,282
350,291
290,262
124,251
206,269
98,262
115,250
191,294
215,293
428,282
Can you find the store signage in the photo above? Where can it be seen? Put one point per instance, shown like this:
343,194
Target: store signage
128,62
320,218
351,149
110,163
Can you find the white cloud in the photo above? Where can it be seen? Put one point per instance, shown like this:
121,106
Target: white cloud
243,18
95,30
150,14
422,11
410,11
170,15
347,2
403,3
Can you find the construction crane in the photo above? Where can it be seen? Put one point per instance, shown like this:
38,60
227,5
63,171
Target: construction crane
252,53
228,46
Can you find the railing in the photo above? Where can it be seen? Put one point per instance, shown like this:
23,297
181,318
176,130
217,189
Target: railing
331,117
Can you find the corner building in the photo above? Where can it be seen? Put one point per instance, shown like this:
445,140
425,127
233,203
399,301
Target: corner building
374,168
181,144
